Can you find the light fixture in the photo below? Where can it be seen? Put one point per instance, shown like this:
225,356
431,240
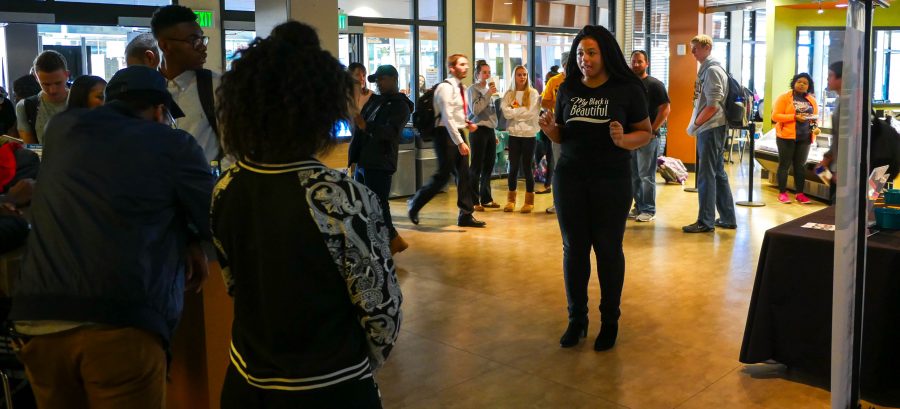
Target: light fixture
507,4
841,5
748,8
820,8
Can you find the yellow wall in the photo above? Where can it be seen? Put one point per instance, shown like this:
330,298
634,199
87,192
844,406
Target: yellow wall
459,32
781,41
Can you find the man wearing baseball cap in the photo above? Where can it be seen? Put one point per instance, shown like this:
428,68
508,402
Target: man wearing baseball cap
376,142
117,217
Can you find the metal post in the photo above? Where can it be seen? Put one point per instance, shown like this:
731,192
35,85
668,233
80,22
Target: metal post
749,202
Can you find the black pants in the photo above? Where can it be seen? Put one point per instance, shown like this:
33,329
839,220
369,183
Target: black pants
544,149
791,153
592,210
484,155
238,394
380,183
450,162
521,151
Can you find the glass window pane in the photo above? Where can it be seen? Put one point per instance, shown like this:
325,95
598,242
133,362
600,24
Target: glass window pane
89,50
894,85
430,10
431,62
720,52
564,13
747,61
240,5
548,50
748,17
759,77
803,59
501,11
878,83
659,40
387,44
236,40
386,9
720,26
804,37
127,2
603,13
503,51
761,25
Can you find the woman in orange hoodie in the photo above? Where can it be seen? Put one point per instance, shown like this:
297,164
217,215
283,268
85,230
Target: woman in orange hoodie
795,115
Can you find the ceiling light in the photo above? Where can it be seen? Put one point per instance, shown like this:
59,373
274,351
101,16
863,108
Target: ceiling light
821,11
841,6
508,4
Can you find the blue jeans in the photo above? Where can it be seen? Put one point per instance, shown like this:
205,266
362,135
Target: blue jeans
712,181
643,176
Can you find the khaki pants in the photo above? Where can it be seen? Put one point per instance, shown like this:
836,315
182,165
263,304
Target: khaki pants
97,368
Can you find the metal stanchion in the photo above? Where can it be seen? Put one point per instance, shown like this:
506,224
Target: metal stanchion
749,202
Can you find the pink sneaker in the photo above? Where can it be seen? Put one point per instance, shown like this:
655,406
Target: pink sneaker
783,198
801,198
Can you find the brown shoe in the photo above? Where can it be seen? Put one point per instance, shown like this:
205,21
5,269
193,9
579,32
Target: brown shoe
510,202
398,245
478,208
529,203
491,205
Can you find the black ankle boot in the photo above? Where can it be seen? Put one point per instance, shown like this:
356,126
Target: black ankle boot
606,339
574,333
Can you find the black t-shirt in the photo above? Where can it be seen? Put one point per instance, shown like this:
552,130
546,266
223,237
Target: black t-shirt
803,107
7,115
584,114
656,96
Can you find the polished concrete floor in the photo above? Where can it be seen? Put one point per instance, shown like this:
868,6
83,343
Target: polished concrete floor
484,309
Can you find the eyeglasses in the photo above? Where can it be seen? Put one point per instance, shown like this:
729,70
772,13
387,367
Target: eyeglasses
193,41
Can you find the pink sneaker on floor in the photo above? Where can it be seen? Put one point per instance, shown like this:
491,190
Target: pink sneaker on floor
802,198
783,198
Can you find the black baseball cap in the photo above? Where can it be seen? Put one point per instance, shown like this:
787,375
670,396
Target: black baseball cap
382,71
139,78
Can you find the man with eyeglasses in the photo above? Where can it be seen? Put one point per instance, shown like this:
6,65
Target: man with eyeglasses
183,47
117,220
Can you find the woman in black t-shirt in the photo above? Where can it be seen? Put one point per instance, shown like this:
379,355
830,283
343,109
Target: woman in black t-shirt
600,116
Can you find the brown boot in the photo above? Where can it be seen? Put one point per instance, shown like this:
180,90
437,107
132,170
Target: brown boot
510,201
529,203
398,245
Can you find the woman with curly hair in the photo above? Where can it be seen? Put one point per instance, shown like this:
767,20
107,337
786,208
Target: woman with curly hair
600,117
795,114
303,248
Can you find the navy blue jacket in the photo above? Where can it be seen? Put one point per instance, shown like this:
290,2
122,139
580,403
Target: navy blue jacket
377,147
117,201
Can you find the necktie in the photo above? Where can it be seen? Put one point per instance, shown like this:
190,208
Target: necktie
462,93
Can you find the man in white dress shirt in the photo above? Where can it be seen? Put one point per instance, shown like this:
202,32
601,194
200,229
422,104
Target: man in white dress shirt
183,48
450,107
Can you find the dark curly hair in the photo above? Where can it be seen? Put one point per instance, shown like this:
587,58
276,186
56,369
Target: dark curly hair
613,59
282,98
168,16
81,90
812,87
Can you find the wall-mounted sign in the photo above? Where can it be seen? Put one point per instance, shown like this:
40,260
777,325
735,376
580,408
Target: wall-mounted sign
204,18
342,20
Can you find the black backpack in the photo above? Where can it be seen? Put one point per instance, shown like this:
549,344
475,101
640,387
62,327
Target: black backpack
424,117
738,104
31,109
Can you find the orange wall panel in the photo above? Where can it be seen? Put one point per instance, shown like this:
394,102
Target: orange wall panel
686,21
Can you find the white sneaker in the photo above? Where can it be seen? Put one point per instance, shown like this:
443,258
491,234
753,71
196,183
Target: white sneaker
633,214
645,217
551,210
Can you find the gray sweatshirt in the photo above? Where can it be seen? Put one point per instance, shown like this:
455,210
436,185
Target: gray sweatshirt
709,89
481,107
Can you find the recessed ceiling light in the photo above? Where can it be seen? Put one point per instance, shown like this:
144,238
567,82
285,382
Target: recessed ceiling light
508,4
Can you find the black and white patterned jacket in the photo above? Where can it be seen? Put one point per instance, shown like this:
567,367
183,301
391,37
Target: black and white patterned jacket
304,252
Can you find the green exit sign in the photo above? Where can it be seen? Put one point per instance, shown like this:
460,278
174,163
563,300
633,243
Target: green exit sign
342,20
204,18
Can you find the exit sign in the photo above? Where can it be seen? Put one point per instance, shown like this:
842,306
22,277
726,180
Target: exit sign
204,18
342,20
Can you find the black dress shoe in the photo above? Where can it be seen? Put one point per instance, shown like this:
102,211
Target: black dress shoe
719,223
697,228
470,221
412,212
606,339
574,333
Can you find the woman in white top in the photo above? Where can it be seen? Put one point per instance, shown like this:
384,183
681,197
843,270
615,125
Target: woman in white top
521,106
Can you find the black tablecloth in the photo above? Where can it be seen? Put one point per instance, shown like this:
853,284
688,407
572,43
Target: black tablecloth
790,311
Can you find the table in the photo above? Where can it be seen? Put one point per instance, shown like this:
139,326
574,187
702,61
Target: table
790,311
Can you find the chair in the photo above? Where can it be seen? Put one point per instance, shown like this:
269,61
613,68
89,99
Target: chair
737,136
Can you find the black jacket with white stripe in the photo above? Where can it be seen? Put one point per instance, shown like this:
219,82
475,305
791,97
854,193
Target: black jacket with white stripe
304,251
